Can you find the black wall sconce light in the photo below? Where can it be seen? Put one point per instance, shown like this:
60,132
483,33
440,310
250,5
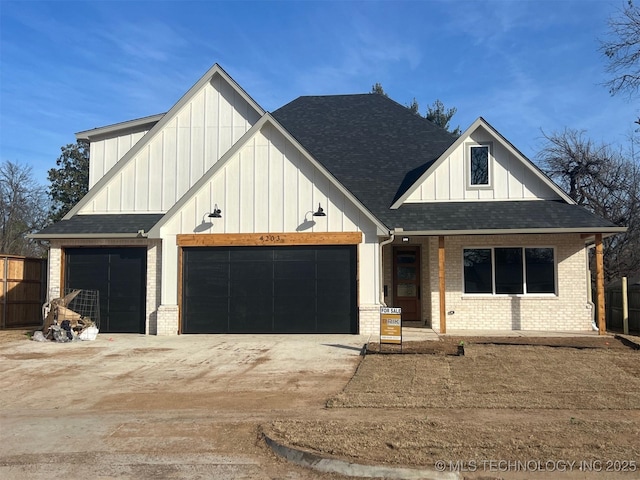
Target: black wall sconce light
216,213
319,212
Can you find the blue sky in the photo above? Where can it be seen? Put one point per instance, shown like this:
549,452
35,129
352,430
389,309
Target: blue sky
523,65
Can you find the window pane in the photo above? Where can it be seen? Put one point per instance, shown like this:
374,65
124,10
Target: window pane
406,273
480,165
509,278
541,276
407,290
477,271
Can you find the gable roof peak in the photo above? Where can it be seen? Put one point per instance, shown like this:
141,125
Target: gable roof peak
159,125
465,136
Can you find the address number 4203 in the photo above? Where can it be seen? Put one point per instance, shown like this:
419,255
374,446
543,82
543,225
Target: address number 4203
270,238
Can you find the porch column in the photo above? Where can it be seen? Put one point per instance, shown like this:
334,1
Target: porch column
443,304
602,325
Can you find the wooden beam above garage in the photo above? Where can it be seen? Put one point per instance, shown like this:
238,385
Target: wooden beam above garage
268,239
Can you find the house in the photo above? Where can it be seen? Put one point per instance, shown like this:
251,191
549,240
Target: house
220,217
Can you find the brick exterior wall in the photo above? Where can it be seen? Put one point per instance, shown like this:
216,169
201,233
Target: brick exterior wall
568,311
369,319
167,320
154,284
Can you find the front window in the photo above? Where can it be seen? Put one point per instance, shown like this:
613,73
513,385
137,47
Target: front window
479,165
477,271
509,270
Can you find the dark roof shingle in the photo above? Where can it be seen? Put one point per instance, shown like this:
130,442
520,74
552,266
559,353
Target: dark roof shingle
101,224
374,146
378,148
496,215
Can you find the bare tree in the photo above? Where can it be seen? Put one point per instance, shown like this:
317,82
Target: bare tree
605,181
623,50
24,207
573,162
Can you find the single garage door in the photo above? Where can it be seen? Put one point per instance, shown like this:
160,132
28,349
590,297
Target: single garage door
120,275
297,289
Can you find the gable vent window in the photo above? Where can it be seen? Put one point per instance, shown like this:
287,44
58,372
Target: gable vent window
479,165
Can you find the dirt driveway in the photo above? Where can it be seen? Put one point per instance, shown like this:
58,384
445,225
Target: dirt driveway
132,406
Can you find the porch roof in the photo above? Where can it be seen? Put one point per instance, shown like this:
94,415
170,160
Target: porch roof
497,217
101,225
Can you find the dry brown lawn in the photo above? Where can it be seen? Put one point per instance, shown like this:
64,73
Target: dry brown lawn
580,401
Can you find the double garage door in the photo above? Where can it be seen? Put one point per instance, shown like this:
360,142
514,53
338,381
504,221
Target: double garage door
293,289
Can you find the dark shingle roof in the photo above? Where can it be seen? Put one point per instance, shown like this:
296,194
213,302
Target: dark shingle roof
102,224
374,146
520,215
378,148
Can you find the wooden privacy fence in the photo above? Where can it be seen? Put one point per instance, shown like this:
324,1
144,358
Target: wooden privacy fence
613,303
22,291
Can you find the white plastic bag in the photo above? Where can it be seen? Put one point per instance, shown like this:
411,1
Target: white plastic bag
89,333
38,336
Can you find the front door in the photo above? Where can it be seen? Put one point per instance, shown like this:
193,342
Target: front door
406,281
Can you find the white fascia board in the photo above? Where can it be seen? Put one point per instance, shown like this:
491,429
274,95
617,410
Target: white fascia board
481,122
113,130
508,231
167,117
266,118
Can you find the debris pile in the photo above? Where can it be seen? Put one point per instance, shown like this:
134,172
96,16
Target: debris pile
66,319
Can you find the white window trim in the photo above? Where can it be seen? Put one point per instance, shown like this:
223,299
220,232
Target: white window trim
524,273
467,165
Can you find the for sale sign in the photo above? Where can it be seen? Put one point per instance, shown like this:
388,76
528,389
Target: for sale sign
390,325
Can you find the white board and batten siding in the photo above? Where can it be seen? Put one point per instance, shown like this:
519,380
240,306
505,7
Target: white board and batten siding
177,156
511,178
269,186
105,153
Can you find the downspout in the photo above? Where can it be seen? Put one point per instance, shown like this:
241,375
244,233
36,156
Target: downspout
594,325
392,237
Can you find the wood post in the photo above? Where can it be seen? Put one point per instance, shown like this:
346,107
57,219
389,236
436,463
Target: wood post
602,325
625,307
442,286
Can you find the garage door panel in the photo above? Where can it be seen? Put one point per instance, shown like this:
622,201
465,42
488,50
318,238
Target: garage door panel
302,324
258,323
304,254
250,304
294,287
294,269
331,323
333,271
335,254
250,255
207,323
273,289
292,305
